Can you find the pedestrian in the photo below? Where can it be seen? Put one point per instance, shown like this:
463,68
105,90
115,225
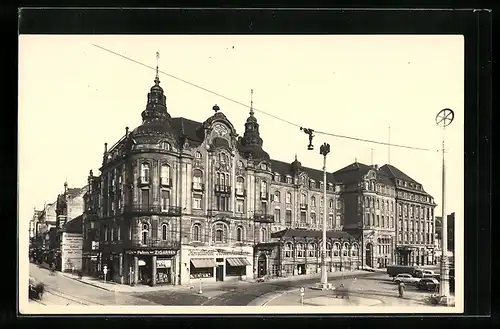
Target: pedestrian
401,289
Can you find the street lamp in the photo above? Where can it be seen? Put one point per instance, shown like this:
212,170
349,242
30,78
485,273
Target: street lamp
443,119
324,150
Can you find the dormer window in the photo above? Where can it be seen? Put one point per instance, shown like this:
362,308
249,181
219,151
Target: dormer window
165,146
263,166
197,155
240,164
289,180
277,177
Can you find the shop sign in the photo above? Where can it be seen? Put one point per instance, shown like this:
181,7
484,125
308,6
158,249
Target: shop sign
95,245
163,263
218,252
166,252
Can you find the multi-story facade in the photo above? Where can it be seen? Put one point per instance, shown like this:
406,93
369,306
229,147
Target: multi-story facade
91,256
174,182
415,222
368,196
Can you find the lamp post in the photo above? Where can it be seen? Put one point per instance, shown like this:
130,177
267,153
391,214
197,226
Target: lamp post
443,119
324,150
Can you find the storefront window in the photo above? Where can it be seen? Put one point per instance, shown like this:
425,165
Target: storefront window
163,271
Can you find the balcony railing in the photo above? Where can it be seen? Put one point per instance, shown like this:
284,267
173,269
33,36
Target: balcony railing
264,195
263,217
166,181
152,243
240,192
143,180
153,209
198,186
226,189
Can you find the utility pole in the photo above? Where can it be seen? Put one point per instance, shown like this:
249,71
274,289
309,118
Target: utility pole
443,119
324,150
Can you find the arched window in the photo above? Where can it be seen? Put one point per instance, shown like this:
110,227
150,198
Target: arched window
345,249
239,234
354,249
300,250
145,168
240,185
197,155
336,250
165,174
288,250
313,219
313,202
197,179
164,232
378,204
303,198
145,233
328,249
263,187
196,232
219,233
378,221
165,146
367,219
311,250
330,203
263,235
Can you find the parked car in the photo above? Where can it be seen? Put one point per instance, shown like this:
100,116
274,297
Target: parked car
394,270
36,290
406,278
428,284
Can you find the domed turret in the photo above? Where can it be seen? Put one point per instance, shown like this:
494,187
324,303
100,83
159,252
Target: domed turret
251,141
296,165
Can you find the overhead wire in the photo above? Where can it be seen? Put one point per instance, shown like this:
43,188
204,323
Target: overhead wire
261,111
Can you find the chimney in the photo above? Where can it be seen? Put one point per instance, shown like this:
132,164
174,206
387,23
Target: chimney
126,131
375,167
105,148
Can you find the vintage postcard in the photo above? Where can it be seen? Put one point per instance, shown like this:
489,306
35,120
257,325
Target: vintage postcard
267,173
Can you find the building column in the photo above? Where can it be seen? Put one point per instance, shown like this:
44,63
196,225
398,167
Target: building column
136,270
120,267
153,279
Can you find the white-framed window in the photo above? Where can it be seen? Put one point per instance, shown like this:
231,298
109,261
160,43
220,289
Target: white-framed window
311,250
338,220
164,232
240,185
239,206
288,198
313,201
196,232
313,218
354,249
330,203
165,200
197,179
197,201
288,180
300,250
277,197
263,187
276,177
145,172
219,233
288,250
165,146
303,198
165,173
263,235
336,249
328,249
144,233
239,234
330,220
277,215
345,249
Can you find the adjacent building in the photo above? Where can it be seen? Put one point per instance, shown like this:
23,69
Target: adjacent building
368,198
415,224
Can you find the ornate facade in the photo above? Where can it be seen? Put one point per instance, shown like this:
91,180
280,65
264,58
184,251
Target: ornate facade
415,225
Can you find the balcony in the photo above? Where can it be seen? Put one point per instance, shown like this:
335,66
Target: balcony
152,209
223,189
263,217
264,196
152,244
198,187
143,181
166,182
240,192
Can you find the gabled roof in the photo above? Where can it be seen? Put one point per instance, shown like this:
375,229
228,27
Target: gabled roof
355,171
301,233
394,172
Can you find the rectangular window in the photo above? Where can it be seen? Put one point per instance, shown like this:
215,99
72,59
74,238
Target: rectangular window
288,217
145,198
197,200
165,199
277,215
239,206
264,207
330,220
302,216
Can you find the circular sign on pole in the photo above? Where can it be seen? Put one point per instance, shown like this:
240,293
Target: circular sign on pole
445,117
301,291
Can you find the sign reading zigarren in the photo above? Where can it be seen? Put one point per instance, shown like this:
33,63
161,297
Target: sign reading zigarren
165,252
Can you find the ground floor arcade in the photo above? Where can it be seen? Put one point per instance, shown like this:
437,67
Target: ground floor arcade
415,256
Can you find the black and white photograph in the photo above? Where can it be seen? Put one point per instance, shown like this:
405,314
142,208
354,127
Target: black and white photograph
240,174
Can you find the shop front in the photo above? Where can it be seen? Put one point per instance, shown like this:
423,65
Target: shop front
202,264
150,267
90,263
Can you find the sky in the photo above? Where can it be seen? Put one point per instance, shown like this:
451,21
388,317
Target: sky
74,97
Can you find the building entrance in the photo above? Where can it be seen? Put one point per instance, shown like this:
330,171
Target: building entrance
262,266
369,255
219,273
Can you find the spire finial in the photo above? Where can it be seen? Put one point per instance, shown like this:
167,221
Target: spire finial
295,156
157,78
251,101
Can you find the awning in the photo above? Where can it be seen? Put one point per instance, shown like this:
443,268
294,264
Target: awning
203,262
238,261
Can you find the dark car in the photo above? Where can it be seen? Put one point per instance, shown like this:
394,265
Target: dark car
428,284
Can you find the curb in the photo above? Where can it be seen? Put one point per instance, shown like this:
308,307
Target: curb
88,283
